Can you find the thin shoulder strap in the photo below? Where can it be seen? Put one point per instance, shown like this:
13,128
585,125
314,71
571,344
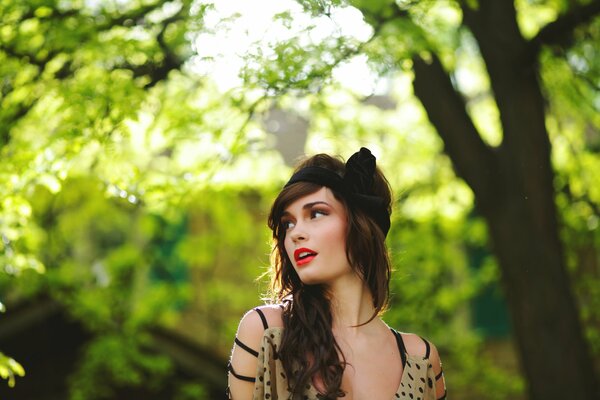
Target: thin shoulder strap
245,347
248,349
441,374
401,346
262,317
427,348
240,377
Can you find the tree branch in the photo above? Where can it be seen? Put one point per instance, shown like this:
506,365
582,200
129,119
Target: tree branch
171,61
560,31
474,161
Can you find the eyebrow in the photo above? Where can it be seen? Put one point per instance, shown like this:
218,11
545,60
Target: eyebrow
307,206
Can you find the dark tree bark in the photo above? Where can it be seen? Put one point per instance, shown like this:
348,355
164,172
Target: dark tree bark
513,187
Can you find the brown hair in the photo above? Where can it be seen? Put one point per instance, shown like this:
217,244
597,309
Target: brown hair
308,347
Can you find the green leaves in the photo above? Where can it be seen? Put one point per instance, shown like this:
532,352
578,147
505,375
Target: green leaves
123,361
9,368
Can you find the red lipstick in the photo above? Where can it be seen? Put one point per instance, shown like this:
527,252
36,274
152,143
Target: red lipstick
304,255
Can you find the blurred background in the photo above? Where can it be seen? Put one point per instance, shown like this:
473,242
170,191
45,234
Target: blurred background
142,142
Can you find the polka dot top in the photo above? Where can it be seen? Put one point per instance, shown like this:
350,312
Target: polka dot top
418,377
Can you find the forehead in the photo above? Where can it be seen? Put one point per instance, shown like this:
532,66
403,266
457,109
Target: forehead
322,195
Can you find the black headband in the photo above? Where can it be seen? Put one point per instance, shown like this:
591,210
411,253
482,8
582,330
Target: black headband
356,185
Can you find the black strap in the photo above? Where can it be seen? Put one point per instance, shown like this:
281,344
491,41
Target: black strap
241,377
262,317
401,347
427,348
248,349
438,376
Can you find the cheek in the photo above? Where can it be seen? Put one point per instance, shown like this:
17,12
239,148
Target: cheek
337,236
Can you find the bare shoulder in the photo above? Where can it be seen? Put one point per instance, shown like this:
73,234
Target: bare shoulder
250,328
244,354
273,315
418,346
415,344
255,321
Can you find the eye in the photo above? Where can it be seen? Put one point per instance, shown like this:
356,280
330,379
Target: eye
317,213
287,224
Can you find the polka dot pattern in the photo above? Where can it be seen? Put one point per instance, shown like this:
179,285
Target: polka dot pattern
418,377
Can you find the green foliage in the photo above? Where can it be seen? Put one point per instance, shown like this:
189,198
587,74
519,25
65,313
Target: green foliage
123,362
119,270
227,248
9,368
100,253
574,125
67,88
95,147
191,391
294,64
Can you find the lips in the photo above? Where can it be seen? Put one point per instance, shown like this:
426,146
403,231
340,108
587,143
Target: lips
304,255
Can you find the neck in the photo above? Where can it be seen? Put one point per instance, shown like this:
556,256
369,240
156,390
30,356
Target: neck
351,306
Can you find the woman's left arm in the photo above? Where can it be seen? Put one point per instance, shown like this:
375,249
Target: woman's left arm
440,383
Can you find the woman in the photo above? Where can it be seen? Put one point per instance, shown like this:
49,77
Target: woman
331,271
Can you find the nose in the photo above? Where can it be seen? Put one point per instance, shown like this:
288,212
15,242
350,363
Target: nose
298,234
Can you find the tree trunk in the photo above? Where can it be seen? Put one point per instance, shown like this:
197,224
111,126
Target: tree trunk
513,187
553,351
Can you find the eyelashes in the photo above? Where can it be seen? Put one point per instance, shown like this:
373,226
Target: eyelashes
315,213
285,224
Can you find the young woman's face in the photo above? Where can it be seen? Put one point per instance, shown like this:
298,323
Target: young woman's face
315,239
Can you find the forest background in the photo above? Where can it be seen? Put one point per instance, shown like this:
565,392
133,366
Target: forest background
143,141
